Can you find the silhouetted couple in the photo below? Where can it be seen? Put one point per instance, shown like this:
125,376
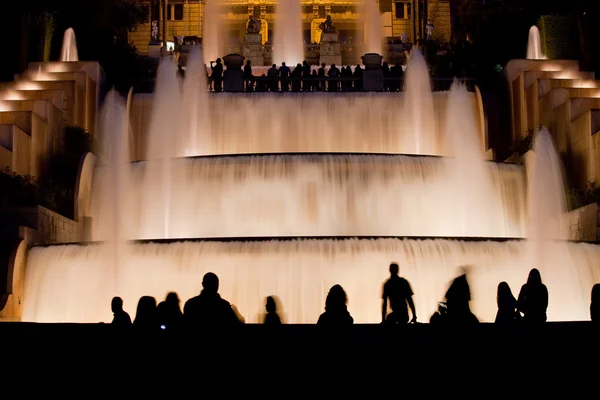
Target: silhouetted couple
532,302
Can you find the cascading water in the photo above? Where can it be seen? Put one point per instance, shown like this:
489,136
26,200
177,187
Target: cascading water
534,45
373,30
195,107
165,143
546,226
66,283
419,107
327,195
69,47
546,196
288,45
112,186
313,195
340,123
474,195
212,35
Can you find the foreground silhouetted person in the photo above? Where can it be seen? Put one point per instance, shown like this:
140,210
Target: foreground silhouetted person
458,298
336,309
272,318
120,317
533,299
169,312
507,305
595,305
208,309
145,316
399,293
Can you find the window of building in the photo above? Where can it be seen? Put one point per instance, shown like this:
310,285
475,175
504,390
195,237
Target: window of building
402,10
178,12
322,12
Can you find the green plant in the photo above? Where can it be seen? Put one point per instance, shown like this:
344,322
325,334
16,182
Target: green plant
17,190
522,146
578,198
77,141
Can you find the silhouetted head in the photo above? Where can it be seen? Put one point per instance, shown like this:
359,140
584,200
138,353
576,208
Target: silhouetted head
596,294
218,60
172,298
274,65
146,309
283,64
323,65
304,62
271,307
248,62
298,65
504,295
332,65
394,269
210,283
116,304
336,299
534,277
358,66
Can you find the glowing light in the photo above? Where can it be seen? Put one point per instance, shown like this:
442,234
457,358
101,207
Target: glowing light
57,67
12,95
6,106
28,85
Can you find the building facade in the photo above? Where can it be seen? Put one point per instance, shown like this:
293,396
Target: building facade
176,18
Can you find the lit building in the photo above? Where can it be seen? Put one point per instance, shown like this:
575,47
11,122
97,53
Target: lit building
186,18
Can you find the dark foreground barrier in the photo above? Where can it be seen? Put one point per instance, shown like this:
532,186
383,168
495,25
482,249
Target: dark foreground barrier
255,358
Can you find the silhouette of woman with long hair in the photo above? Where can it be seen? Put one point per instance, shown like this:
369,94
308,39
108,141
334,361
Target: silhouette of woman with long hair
533,299
336,309
507,305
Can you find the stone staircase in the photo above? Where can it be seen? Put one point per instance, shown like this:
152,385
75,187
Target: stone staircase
556,94
35,108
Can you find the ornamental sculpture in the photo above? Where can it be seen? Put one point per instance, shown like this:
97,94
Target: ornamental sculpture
253,26
327,25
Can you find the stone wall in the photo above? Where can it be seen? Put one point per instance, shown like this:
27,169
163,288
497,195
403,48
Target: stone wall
54,228
583,223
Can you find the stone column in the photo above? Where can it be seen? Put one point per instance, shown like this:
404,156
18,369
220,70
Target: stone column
372,76
233,76
253,49
331,52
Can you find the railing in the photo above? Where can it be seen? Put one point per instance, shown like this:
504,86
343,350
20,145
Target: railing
262,84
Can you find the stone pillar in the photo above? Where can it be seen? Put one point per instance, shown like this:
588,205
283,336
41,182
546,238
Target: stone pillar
331,52
253,49
233,76
372,76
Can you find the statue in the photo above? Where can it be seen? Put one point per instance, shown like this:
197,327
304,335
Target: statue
327,25
252,26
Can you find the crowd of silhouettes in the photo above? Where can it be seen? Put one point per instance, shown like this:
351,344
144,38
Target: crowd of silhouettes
208,309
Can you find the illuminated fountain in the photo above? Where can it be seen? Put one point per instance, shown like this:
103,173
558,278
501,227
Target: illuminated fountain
534,45
288,45
294,224
422,134
373,30
212,35
69,47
